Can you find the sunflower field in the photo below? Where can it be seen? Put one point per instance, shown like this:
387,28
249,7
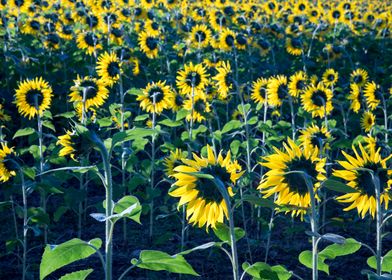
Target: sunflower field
211,139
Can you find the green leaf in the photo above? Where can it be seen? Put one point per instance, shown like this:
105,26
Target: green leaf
49,124
67,115
200,175
259,201
386,265
157,261
201,247
29,172
330,252
24,132
231,125
170,123
129,207
57,256
222,231
181,114
77,275
262,271
337,186
141,117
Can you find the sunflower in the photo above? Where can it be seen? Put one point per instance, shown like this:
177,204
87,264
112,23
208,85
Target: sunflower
192,76
263,45
152,28
316,137
224,79
330,77
373,95
88,41
291,188
67,141
368,120
148,44
200,108
6,169
241,41
297,83
109,68
335,15
294,46
204,202
156,97
200,36
33,97
359,77
94,91
355,97
259,91
227,40
173,160
277,90
364,200
317,100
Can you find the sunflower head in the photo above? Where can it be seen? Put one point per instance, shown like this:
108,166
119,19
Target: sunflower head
358,172
73,145
109,68
317,100
7,169
156,97
173,160
285,177
205,204
277,90
368,120
224,79
297,83
359,77
316,137
89,90
33,97
330,77
149,44
192,77
259,91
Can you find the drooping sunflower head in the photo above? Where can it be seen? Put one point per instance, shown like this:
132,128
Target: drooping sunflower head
227,40
73,145
373,95
359,77
33,97
259,91
173,160
355,97
294,46
201,108
192,77
330,77
224,79
356,174
368,120
205,204
277,90
297,83
6,167
91,89
156,97
200,36
285,176
316,137
149,44
317,100
109,68
88,41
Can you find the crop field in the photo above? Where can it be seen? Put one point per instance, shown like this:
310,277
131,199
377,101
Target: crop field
211,139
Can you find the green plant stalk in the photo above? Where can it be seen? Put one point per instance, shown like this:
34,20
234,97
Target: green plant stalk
379,218
41,163
314,226
25,226
268,245
234,254
292,117
248,160
109,208
152,180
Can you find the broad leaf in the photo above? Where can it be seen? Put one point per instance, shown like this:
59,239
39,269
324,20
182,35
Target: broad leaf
337,186
157,260
386,265
77,275
263,271
24,132
57,256
222,231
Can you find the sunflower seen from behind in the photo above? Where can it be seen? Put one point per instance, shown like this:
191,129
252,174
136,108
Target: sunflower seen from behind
317,100
91,89
356,176
291,188
156,97
109,68
205,205
192,77
6,169
33,97
315,136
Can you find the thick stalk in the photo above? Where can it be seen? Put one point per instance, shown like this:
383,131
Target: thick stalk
292,117
25,226
376,181
109,208
314,226
41,163
152,169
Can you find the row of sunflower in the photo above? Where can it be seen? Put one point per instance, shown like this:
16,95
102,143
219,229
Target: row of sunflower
216,114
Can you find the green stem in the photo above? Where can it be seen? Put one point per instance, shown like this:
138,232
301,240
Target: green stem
376,181
152,169
314,226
